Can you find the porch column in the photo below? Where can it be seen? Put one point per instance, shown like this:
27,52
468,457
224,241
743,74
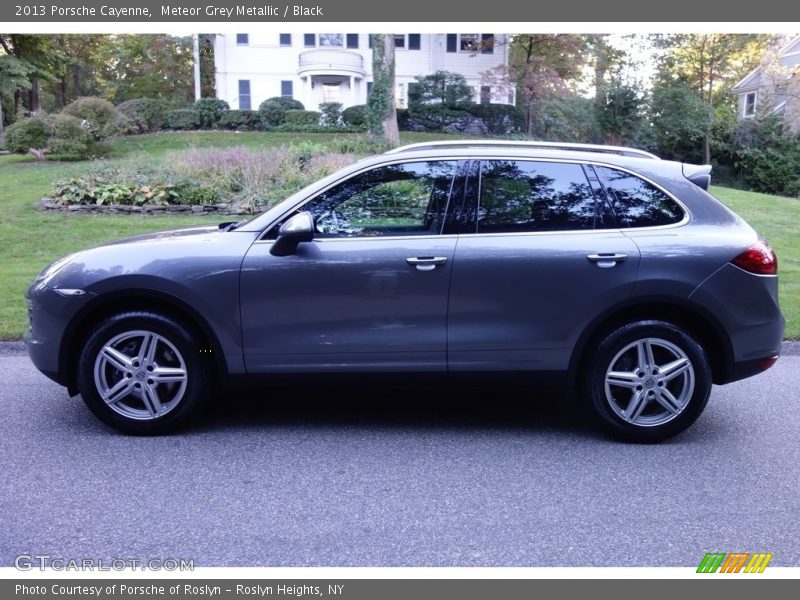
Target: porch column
353,99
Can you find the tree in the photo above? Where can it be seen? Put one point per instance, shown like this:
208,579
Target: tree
618,109
14,75
540,67
43,60
441,88
381,110
710,64
679,119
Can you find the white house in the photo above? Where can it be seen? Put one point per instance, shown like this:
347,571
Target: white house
337,67
759,87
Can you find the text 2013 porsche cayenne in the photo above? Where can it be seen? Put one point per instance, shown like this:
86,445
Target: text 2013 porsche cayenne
606,264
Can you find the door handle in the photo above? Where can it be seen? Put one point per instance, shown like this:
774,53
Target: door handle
606,260
426,263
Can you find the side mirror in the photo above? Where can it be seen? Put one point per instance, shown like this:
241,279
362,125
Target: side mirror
300,228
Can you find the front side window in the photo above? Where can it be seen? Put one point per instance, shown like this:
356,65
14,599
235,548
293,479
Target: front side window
403,199
637,203
526,196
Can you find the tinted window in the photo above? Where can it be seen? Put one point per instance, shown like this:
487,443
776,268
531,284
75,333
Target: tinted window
404,199
637,203
518,196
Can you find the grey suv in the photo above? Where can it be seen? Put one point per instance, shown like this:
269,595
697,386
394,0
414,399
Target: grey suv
604,264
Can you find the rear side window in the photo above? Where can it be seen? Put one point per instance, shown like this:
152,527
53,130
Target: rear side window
637,203
522,196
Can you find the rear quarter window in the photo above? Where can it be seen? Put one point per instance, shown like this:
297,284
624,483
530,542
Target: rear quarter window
637,203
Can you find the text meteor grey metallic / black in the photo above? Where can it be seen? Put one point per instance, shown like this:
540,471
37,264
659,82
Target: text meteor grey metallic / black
605,264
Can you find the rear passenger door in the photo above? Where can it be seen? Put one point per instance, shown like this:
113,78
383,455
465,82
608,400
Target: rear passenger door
538,257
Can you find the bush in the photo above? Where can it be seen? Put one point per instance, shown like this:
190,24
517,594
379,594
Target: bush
146,114
768,156
273,110
307,128
210,111
498,119
69,137
302,117
355,116
331,114
436,117
245,120
97,114
121,125
183,119
25,134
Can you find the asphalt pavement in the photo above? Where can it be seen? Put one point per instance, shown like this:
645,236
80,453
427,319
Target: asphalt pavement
403,471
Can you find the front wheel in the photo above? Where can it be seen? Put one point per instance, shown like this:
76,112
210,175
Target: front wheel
648,381
142,374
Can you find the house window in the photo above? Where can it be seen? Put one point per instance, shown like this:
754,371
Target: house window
487,43
468,42
399,40
242,39
244,94
310,40
287,89
414,41
285,39
750,105
486,94
352,40
331,40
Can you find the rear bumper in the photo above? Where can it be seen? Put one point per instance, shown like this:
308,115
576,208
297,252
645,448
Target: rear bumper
748,368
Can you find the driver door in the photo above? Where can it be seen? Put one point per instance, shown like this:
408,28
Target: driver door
370,292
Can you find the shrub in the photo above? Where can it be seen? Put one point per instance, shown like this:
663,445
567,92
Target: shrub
147,114
331,114
69,137
97,114
246,120
210,111
273,110
25,134
436,117
121,125
355,116
302,117
768,156
183,119
498,119
403,119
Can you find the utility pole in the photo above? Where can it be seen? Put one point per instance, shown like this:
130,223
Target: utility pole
196,54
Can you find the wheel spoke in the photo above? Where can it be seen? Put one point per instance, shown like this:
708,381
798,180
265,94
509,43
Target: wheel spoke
623,379
665,398
168,375
671,370
644,356
118,391
636,405
151,400
147,350
117,359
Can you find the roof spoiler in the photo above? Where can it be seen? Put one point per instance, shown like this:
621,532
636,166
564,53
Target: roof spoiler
700,175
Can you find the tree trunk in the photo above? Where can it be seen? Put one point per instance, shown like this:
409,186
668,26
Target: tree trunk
2,130
381,109
33,96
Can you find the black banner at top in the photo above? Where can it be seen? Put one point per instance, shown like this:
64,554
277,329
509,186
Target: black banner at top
358,11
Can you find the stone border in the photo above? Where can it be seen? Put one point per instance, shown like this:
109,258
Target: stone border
46,204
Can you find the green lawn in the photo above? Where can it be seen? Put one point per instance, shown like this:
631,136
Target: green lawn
30,239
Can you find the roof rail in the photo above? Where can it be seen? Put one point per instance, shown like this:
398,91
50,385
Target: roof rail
621,150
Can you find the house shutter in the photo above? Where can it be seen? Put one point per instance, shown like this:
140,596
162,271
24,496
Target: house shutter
310,40
452,42
487,43
287,89
352,40
414,42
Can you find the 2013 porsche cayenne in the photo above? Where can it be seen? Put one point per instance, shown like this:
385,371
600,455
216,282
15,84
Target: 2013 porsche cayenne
605,264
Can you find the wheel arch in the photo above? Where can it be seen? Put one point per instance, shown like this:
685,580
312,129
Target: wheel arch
682,313
148,300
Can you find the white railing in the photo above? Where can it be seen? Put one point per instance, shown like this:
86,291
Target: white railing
331,59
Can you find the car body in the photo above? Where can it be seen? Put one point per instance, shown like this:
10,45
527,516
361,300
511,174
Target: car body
608,265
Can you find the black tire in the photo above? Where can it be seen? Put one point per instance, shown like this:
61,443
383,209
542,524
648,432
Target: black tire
651,406
171,399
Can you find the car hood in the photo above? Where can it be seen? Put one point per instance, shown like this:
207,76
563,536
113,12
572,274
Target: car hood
184,234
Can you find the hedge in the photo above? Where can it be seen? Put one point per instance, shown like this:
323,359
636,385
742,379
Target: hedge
302,117
183,119
245,120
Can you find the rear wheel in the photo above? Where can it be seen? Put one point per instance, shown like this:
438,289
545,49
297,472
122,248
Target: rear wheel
141,373
648,381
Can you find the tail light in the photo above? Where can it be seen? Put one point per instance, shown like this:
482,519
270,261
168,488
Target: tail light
759,259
